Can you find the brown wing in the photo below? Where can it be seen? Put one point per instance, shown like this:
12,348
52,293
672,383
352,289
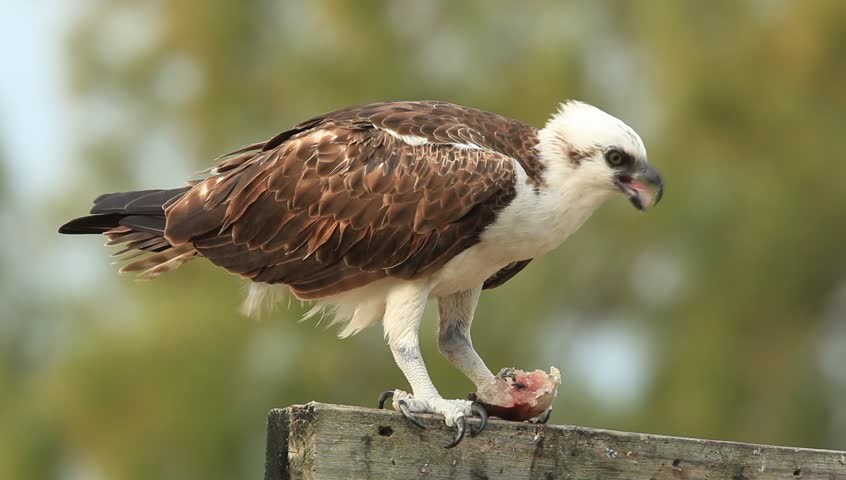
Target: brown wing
341,201
505,274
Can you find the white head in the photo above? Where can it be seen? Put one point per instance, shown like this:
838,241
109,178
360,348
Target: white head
602,151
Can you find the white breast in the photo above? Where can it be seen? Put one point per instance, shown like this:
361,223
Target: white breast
534,223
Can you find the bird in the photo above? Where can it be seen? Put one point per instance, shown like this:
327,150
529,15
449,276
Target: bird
372,210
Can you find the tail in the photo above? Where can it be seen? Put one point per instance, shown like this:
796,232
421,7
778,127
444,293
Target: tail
136,220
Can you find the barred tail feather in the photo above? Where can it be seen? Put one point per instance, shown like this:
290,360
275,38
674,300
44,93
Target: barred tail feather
157,255
136,221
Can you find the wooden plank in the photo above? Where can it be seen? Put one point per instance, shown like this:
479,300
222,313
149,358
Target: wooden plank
320,442
276,451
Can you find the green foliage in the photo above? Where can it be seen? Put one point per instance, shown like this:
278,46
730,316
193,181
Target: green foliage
727,283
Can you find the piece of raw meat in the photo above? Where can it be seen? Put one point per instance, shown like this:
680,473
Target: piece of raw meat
519,395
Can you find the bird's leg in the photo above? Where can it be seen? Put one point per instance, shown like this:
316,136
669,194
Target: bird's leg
403,312
456,314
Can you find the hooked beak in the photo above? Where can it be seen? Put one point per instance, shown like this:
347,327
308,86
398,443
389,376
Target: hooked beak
644,189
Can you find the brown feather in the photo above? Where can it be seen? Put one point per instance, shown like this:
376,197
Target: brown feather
505,274
339,201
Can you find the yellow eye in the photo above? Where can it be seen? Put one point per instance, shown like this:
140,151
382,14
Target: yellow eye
615,158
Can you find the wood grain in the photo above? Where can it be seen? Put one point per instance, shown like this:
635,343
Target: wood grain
319,441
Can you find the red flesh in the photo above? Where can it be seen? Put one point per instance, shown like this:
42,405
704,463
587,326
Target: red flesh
519,395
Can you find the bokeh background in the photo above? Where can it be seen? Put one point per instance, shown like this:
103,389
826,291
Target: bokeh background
720,314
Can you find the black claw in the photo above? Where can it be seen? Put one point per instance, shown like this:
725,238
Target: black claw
483,418
403,406
546,416
384,397
461,422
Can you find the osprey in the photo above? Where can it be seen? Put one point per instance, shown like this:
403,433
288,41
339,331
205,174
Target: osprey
374,209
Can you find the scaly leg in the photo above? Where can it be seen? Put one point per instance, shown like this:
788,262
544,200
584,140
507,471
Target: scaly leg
403,312
456,314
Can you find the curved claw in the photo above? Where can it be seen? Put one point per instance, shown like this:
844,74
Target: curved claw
403,406
384,397
461,422
546,416
483,418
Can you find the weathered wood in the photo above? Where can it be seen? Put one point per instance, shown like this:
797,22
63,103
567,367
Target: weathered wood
319,441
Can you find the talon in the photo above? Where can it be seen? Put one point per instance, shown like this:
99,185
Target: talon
403,406
483,418
461,422
546,416
384,397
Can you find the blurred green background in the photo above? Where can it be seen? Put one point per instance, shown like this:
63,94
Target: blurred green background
720,314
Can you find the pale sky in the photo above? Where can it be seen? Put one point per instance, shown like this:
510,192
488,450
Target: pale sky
33,96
